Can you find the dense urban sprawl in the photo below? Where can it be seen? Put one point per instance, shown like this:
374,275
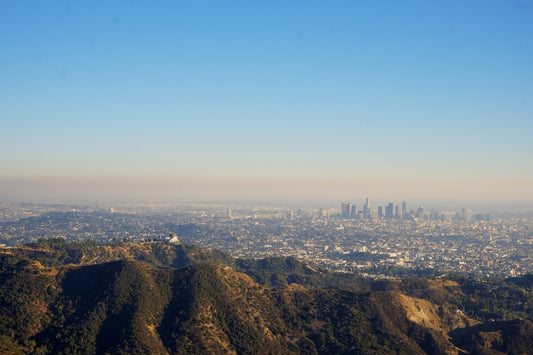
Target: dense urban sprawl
343,239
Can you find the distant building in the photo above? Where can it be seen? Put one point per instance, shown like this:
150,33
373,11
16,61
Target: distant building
389,211
353,211
420,212
173,239
366,209
344,209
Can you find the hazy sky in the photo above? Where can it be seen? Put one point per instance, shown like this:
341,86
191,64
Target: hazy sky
267,99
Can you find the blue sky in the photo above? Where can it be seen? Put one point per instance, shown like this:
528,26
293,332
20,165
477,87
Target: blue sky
267,99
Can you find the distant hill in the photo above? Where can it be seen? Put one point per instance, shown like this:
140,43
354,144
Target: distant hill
157,298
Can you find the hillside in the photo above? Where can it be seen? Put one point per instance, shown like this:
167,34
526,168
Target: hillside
273,271
156,298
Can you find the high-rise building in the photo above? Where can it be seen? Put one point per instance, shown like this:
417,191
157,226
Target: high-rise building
366,209
353,211
420,212
397,212
380,212
404,209
345,209
389,210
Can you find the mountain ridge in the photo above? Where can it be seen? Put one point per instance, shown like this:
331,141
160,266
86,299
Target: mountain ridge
177,299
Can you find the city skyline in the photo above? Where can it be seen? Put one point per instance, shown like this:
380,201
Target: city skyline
238,101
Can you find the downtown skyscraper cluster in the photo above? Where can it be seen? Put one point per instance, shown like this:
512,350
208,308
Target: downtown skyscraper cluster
391,211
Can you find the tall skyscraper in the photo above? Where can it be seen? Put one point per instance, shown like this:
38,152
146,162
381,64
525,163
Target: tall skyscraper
397,212
389,210
353,211
366,209
345,209
380,212
404,209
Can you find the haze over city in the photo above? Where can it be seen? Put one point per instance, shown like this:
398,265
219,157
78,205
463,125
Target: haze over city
267,101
